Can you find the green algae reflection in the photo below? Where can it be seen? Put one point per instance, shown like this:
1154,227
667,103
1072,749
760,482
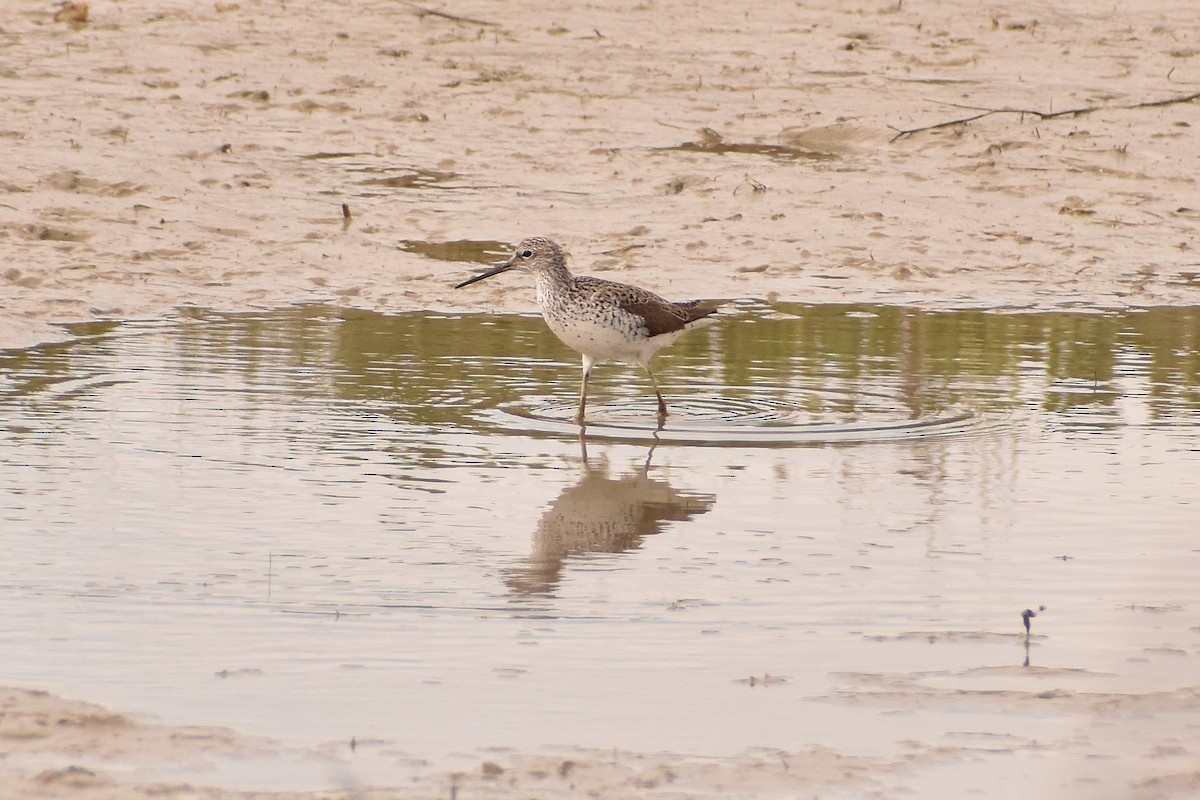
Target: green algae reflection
435,370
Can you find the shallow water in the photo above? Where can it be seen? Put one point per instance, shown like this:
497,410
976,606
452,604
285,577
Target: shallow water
320,524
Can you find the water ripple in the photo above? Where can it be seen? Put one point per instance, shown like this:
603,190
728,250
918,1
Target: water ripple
723,420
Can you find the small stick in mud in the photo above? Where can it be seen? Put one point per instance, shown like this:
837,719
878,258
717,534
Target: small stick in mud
1029,614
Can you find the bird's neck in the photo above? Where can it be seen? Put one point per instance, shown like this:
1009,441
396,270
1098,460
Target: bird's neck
553,281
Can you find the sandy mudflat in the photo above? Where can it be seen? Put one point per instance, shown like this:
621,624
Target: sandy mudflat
58,749
170,152
173,153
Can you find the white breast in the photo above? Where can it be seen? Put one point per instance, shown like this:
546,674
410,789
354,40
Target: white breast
614,335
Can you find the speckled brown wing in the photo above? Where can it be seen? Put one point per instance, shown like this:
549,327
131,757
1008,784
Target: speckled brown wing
662,316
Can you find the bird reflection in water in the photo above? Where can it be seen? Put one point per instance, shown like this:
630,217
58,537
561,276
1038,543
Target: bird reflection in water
600,514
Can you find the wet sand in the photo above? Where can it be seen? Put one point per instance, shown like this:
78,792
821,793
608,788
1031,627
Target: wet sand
175,154
109,755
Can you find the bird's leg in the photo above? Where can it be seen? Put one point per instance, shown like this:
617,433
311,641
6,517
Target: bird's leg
583,454
587,373
650,452
662,405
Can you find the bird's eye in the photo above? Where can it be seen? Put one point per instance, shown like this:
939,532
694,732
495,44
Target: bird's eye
526,254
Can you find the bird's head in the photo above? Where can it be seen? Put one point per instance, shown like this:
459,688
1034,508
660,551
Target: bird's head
533,254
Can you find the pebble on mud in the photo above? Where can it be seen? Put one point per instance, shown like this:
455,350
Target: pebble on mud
72,13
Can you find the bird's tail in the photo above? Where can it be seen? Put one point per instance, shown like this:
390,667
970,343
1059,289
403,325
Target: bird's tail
699,309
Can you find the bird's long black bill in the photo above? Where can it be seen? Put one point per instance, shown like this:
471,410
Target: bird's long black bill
507,265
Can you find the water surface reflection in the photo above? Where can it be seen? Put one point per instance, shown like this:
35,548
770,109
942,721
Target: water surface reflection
600,515
388,516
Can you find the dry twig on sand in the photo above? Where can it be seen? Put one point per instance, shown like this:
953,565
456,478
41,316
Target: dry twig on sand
1069,112
421,11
